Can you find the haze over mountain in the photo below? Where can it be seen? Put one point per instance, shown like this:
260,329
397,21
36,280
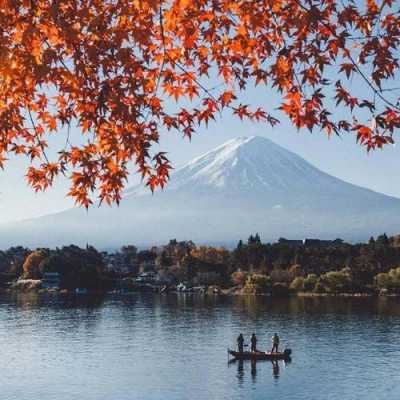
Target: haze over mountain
247,185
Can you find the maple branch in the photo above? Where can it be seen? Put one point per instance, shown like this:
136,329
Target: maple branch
37,136
163,60
366,37
67,142
164,47
390,89
374,89
286,47
58,56
199,84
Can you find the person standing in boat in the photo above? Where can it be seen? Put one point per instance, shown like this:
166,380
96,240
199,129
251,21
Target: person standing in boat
253,341
275,343
240,343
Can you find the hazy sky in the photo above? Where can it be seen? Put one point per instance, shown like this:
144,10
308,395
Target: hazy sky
340,157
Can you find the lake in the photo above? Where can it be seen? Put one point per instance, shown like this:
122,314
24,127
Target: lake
175,347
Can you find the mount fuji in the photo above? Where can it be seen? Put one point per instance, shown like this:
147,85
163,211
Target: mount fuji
247,185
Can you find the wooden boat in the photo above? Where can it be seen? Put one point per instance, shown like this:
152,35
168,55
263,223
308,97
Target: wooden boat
261,355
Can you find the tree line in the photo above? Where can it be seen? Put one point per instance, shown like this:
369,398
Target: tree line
250,267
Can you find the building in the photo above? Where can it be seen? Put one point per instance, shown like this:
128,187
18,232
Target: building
115,262
147,277
322,243
147,266
51,280
291,242
310,242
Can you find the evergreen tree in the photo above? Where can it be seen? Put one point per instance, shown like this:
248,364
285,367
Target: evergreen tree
250,240
382,240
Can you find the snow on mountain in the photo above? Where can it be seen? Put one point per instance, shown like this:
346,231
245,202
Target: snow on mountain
244,163
246,185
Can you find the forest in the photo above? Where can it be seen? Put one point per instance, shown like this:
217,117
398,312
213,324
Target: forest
252,267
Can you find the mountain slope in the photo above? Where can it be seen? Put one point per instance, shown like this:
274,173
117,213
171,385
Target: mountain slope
245,185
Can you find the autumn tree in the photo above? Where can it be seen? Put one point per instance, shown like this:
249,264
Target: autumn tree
257,283
163,260
309,282
337,281
295,271
297,284
77,267
239,277
108,69
214,255
31,265
389,280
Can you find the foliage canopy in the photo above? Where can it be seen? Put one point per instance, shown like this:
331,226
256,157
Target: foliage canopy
108,66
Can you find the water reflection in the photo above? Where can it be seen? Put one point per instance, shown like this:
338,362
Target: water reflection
253,370
143,347
240,372
275,369
243,366
249,306
33,300
257,306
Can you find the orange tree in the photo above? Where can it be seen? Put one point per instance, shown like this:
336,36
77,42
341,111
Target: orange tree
109,67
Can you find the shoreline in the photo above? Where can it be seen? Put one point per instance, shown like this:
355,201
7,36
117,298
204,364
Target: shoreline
223,292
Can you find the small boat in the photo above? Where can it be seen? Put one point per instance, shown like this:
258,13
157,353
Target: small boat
261,355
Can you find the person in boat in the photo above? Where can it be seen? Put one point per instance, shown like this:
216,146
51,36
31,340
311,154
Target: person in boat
253,341
275,343
240,343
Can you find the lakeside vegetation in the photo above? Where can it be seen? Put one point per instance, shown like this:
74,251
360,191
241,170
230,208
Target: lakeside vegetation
286,267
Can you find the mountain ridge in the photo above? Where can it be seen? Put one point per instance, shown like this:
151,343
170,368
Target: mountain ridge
237,144
243,186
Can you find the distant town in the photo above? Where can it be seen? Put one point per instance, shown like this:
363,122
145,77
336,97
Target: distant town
286,267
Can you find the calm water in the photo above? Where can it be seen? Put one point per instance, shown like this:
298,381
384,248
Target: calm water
174,347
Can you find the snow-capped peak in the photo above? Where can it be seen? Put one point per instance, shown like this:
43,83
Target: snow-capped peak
245,163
